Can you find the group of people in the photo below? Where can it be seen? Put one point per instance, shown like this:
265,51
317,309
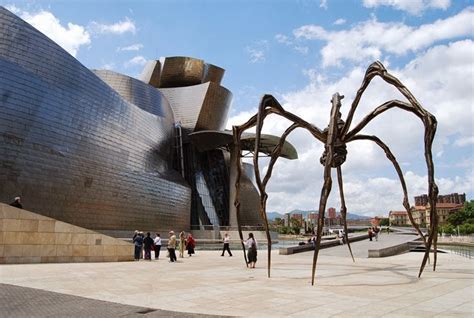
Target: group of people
373,233
144,244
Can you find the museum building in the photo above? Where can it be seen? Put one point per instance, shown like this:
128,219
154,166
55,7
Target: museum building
112,153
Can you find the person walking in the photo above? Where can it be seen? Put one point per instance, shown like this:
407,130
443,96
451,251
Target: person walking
251,244
370,233
190,245
138,242
148,243
16,203
172,246
226,245
182,243
157,242
376,231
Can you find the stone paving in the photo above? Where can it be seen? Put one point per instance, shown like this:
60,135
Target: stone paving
210,284
30,302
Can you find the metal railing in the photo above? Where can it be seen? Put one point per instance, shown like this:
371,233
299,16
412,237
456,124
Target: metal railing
226,228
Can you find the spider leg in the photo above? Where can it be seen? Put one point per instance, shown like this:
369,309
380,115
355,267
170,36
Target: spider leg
237,154
430,124
392,158
268,105
262,188
344,209
326,189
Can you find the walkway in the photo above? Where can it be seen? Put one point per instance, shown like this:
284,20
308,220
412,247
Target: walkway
360,249
210,284
29,302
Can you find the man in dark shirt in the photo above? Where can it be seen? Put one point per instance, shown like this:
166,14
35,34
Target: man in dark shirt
138,241
17,203
148,242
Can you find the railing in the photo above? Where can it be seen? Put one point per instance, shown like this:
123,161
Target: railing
460,250
226,228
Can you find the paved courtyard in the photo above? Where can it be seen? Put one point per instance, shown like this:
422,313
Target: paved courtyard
210,284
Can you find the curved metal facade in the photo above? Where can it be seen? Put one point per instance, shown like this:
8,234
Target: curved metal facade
200,107
79,150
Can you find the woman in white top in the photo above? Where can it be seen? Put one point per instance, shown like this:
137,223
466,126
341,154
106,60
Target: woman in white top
252,250
157,242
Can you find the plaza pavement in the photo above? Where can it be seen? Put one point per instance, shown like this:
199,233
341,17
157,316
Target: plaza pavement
210,284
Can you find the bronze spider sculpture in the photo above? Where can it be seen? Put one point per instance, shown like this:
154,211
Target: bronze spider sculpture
335,137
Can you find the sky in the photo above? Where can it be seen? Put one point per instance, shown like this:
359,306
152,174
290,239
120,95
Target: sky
302,52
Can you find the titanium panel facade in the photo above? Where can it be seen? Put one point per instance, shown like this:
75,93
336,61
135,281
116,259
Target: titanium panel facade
75,149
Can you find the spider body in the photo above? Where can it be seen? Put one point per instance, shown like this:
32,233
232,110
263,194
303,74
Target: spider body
340,148
335,137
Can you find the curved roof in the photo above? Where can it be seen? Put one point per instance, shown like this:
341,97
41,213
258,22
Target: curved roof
210,139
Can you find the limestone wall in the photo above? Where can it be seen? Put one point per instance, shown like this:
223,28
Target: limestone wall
27,237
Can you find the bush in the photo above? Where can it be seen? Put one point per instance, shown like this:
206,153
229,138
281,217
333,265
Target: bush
447,229
466,228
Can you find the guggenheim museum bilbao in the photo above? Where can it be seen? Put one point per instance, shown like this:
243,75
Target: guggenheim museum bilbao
112,153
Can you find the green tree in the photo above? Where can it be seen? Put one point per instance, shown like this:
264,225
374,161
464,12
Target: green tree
295,225
465,215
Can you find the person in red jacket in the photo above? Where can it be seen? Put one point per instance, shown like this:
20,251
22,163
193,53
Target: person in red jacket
190,244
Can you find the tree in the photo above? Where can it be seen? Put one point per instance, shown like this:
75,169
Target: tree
465,215
295,225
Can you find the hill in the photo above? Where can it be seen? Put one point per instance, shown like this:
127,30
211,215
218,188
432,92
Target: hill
350,216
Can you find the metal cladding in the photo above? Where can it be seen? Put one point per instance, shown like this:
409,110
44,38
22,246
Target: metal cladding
200,107
248,190
151,73
79,150
213,74
181,71
193,89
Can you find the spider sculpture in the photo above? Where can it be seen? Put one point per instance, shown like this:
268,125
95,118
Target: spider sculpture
335,137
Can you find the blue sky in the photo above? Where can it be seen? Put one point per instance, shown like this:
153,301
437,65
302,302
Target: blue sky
302,52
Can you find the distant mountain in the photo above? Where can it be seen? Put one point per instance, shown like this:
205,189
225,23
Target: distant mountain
350,216
273,215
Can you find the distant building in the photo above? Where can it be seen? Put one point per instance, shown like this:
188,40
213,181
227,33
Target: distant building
398,218
331,213
422,200
297,216
443,210
286,219
312,220
419,215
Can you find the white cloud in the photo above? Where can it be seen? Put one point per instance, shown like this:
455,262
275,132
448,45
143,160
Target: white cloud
257,51
108,66
368,40
120,27
133,47
465,141
281,38
324,4
137,60
414,7
70,38
302,49
339,22
372,186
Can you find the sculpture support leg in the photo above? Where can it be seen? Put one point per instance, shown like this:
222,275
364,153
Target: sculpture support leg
263,213
344,210
322,207
236,153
